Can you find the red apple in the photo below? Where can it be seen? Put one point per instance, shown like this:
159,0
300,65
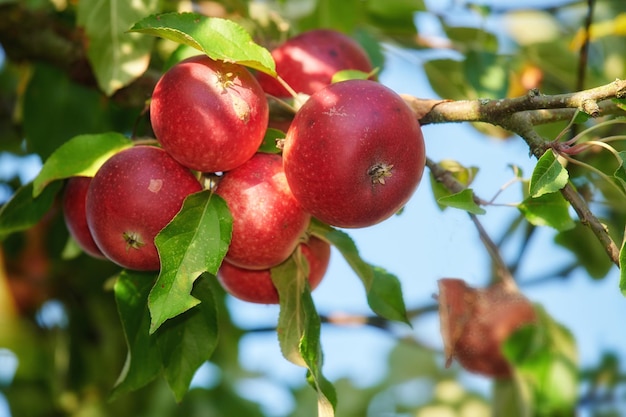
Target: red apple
475,323
131,198
268,222
354,154
209,115
74,200
256,286
307,62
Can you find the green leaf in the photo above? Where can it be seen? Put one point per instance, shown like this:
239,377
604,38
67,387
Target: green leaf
188,340
464,175
447,78
23,211
194,242
220,39
463,200
82,155
487,73
116,56
270,141
143,361
299,327
350,74
384,293
548,176
56,109
587,250
548,210
545,359
395,16
510,399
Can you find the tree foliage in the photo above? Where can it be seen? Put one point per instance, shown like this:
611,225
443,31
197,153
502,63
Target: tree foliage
75,81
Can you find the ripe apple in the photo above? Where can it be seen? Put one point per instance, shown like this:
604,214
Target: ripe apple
256,286
134,194
74,200
268,222
475,323
307,62
210,116
354,154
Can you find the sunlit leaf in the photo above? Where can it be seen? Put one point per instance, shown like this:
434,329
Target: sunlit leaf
548,176
117,57
463,200
82,155
349,74
384,293
143,361
194,242
299,327
548,210
188,340
464,175
545,361
487,73
220,39
23,211
447,78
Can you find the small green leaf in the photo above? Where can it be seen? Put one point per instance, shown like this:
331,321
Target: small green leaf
220,39
82,155
464,175
143,361
188,340
116,56
351,74
447,78
487,73
194,242
299,327
545,358
463,200
548,176
270,141
23,211
548,210
384,293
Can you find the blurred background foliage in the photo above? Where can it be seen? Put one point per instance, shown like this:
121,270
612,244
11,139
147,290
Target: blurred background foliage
58,319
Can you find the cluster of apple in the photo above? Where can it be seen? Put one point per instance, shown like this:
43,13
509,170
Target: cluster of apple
352,157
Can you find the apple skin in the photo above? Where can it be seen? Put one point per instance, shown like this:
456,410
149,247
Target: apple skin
210,116
134,195
308,61
74,201
256,286
268,222
354,154
476,321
